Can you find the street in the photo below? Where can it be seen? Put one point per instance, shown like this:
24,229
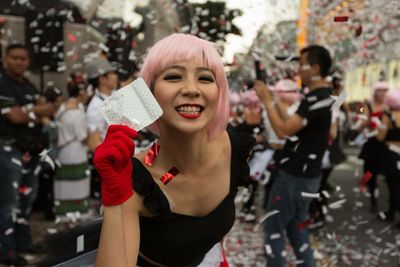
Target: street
353,236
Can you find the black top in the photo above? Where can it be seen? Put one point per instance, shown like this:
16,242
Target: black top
173,239
393,134
302,153
16,93
254,129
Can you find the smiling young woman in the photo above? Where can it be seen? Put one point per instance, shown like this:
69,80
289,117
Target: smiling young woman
172,204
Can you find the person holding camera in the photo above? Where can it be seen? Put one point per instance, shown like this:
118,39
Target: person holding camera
300,166
21,142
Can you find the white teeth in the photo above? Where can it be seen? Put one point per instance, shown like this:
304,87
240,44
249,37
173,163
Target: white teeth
188,109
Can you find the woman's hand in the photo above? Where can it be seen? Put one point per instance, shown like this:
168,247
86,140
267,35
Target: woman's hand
113,162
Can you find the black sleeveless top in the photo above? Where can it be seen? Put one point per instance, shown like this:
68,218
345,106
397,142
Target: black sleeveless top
173,239
393,134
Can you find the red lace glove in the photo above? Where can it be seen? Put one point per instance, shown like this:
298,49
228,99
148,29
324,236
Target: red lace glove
112,160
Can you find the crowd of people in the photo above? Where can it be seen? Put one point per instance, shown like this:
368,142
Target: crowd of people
58,155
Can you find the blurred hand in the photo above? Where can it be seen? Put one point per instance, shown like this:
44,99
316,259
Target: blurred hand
263,92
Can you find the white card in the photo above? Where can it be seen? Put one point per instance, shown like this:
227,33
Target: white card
133,105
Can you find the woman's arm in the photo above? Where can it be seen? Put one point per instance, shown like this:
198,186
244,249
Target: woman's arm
120,234
383,128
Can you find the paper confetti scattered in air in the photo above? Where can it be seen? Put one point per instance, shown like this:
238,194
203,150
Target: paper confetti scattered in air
340,18
80,243
310,195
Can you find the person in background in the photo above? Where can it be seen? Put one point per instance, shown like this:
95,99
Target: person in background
102,77
300,167
21,141
253,124
371,151
72,181
103,80
287,98
389,132
49,162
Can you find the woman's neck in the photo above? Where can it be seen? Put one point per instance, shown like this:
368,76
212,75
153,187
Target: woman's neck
185,152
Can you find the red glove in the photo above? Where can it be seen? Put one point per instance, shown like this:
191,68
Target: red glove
112,160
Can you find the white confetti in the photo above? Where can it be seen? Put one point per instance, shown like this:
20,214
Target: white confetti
293,138
9,231
51,231
268,249
321,104
284,160
337,204
16,161
7,148
275,236
5,111
22,221
303,247
80,245
339,100
305,167
310,195
326,194
267,215
312,156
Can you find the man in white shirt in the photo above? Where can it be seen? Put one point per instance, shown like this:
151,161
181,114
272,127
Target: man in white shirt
104,79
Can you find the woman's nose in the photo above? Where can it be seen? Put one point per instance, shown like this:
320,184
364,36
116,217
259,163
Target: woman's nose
190,89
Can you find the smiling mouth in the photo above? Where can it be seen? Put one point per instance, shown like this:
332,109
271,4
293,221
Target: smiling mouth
189,111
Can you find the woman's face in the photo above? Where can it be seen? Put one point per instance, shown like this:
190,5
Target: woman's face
380,95
188,94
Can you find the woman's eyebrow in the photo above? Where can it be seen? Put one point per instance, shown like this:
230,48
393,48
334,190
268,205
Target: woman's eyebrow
183,68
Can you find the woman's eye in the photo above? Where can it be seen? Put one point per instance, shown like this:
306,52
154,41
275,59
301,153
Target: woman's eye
172,77
206,78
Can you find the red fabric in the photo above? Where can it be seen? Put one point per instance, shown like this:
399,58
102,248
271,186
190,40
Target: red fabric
112,160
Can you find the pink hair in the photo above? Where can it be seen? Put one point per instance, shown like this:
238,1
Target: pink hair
381,85
250,98
234,98
393,99
287,91
180,47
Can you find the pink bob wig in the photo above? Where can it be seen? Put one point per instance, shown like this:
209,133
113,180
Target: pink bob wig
378,86
180,47
234,98
287,91
393,99
250,98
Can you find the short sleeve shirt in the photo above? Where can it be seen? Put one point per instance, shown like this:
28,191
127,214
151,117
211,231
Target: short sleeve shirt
95,121
16,93
303,152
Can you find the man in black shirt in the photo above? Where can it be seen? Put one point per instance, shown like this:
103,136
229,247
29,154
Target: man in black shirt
20,145
299,173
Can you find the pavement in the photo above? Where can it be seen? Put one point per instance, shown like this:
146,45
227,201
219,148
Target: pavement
352,235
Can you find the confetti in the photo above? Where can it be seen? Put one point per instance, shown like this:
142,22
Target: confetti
16,161
303,247
268,249
80,245
310,195
267,215
340,18
52,231
337,204
5,111
321,104
9,231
